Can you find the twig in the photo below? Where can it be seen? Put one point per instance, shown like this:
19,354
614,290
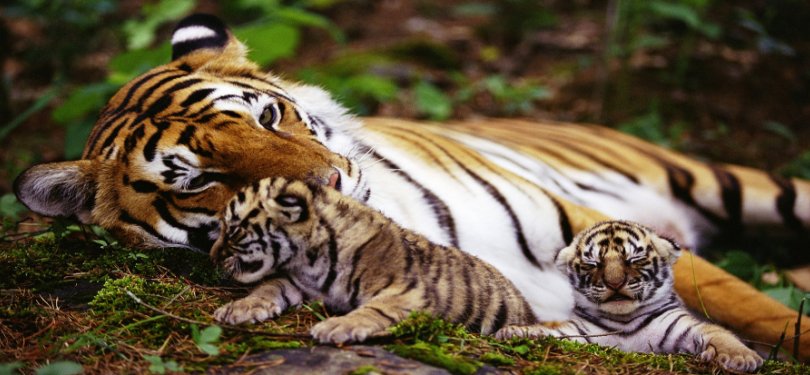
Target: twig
225,326
587,336
797,329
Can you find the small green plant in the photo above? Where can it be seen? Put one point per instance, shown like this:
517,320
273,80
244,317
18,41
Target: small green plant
158,365
10,368
60,368
207,339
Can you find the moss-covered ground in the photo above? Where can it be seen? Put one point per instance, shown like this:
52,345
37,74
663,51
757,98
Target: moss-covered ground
73,301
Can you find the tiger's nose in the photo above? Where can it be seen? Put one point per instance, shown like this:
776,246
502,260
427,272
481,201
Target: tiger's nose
614,283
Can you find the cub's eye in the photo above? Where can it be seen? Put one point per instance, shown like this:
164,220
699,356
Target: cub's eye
636,261
270,116
587,267
290,201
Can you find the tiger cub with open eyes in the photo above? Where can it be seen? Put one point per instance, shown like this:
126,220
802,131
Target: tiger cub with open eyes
306,241
623,287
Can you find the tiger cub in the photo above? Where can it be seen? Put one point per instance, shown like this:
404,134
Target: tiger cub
307,242
622,278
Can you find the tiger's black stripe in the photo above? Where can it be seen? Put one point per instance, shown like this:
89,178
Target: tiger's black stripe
516,224
440,209
731,194
786,203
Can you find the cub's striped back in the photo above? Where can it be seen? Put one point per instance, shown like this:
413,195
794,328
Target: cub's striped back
314,243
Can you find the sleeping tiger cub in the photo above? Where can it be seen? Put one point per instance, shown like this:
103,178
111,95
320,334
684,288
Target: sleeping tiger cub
315,243
622,276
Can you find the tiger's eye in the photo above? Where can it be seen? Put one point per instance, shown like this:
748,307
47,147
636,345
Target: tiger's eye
198,182
270,117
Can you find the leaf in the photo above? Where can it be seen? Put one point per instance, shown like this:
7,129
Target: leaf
38,105
60,368
211,334
10,368
297,16
788,296
83,101
157,365
676,11
10,207
740,264
206,339
75,137
209,349
140,34
432,102
127,65
779,129
269,42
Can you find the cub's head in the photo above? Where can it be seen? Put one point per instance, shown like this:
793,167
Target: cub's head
265,226
172,146
618,266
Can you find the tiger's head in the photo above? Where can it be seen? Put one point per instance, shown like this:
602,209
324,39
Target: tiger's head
265,225
173,145
618,267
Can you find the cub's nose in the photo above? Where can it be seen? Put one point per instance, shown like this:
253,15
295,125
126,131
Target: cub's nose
614,284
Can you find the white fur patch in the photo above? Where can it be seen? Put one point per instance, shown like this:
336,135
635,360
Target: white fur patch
192,33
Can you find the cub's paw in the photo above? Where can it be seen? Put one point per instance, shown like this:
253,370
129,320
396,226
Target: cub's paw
247,310
731,354
532,331
340,330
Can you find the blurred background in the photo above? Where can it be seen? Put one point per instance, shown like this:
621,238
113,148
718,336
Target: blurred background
723,81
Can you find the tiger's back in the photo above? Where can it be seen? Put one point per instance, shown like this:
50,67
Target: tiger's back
356,260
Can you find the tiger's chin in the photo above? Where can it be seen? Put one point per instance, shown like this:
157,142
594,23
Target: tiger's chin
618,304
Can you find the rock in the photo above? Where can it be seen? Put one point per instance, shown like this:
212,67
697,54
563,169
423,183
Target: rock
327,360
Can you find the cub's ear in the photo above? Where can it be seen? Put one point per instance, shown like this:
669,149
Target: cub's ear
59,189
668,249
565,255
202,38
293,207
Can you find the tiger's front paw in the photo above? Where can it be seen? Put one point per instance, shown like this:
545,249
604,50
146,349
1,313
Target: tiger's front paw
342,329
247,310
731,354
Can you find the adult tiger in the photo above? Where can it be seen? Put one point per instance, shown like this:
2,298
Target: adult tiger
172,146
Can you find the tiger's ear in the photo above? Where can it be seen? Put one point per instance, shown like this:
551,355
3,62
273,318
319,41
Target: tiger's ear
59,189
200,39
668,249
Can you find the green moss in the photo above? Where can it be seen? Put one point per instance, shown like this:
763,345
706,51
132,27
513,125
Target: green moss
364,370
425,327
437,356
49,263
113,297
497,359
546,369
